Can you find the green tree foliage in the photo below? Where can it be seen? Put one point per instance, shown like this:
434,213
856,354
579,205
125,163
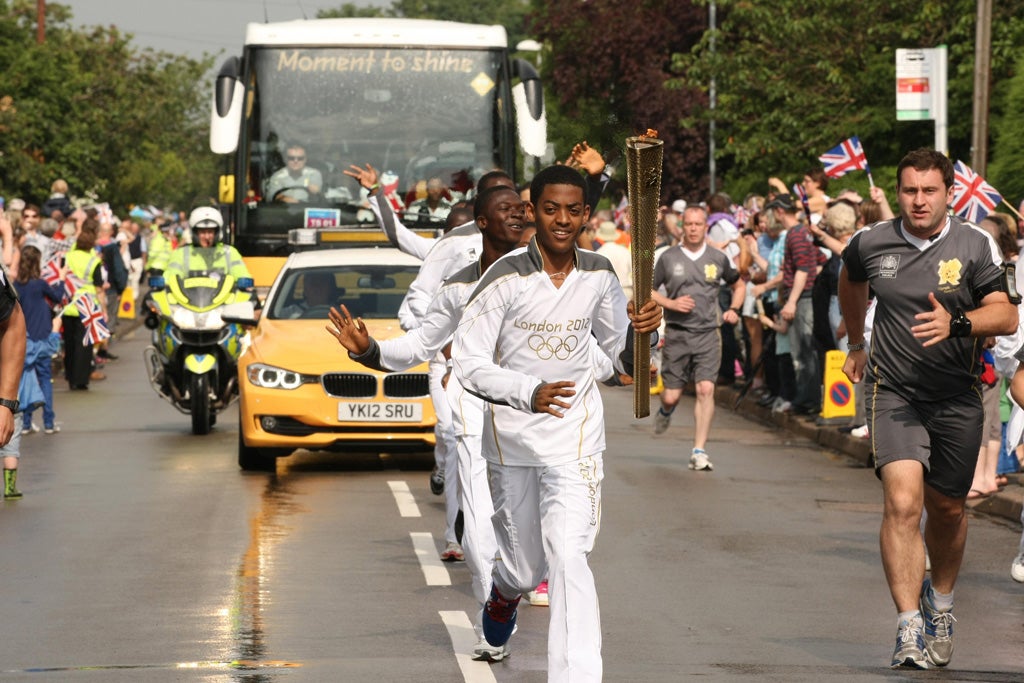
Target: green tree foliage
350,11
794,79
116,123
512,14
607,67
1006,172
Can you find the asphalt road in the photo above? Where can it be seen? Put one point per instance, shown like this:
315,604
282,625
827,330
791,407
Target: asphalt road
142,553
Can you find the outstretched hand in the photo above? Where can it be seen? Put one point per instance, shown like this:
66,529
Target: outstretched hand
648,319
367,176
352,334
935,323
587,158
546,400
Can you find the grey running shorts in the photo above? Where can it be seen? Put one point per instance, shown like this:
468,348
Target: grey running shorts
690,356
944,436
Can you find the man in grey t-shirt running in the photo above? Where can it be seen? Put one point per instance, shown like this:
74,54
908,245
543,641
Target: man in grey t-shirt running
690,274
940,289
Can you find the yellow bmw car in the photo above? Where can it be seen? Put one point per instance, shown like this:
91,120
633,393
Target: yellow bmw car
297,386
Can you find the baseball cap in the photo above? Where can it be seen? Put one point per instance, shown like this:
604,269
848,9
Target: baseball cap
678,206
782,201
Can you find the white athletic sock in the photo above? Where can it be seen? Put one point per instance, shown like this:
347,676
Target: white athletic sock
907,616
943,601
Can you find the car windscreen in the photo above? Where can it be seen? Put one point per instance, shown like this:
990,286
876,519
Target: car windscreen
367,291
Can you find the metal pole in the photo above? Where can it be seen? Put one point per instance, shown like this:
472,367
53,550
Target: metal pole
40,21
712,95
940,100
982,64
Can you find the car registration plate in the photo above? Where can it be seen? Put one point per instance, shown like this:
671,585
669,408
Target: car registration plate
354,411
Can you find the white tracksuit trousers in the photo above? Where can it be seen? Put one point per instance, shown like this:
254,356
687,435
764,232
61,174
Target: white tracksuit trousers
553,512
445,454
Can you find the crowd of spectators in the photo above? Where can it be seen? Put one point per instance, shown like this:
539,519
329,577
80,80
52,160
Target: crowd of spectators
790,315
42,246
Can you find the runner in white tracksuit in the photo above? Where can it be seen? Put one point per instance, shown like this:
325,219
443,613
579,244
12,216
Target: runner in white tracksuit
458,248
501,217
530,322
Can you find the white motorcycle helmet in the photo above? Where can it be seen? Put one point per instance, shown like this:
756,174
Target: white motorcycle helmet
207,217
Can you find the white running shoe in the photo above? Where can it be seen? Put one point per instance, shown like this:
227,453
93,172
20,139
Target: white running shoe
453,553
1017,568
910,647
861,432
699,460
485,652
538,597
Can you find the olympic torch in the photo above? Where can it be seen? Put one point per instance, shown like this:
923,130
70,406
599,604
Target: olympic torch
643,180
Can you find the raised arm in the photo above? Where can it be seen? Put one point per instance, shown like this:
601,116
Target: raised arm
400,236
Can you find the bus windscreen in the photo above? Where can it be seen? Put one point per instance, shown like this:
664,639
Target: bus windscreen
421,117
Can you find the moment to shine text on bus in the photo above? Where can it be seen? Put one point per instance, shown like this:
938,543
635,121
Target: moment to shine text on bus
370,62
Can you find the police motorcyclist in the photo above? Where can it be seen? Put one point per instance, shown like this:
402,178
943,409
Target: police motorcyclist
207,252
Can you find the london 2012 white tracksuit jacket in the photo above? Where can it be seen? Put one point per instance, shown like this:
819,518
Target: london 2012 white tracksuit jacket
518,332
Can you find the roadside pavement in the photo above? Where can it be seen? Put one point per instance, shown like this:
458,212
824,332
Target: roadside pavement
1005,503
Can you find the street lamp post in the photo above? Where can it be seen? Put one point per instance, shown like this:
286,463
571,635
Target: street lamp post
712,96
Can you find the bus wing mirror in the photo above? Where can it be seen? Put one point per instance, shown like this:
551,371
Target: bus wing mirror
528,99
530,80
226,109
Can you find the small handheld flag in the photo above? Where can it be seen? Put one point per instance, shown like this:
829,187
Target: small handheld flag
847,156
973,198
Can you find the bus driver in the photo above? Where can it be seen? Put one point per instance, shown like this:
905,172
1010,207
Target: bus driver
295,182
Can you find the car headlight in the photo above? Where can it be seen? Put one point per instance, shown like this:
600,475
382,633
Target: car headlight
270,377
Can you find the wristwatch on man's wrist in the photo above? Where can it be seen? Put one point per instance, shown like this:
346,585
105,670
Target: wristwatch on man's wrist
12,405
959,324
859,346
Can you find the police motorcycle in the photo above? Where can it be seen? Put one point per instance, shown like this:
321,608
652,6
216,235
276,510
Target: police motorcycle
193,360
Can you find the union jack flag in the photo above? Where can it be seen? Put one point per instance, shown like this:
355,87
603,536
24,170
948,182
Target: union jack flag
799,193
71,284
845,157
51,272
973,198
95,324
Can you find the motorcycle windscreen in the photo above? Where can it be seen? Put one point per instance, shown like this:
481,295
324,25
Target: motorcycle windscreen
200,288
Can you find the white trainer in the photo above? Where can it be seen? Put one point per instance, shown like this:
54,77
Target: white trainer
1017,568
699,460
485,652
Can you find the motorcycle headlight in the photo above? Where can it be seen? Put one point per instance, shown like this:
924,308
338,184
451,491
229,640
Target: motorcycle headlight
210,320
270,377
183,318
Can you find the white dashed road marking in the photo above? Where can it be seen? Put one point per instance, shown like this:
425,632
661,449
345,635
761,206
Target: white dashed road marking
403,497
463,639
434,570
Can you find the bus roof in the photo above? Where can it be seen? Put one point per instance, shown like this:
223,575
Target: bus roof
376,32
